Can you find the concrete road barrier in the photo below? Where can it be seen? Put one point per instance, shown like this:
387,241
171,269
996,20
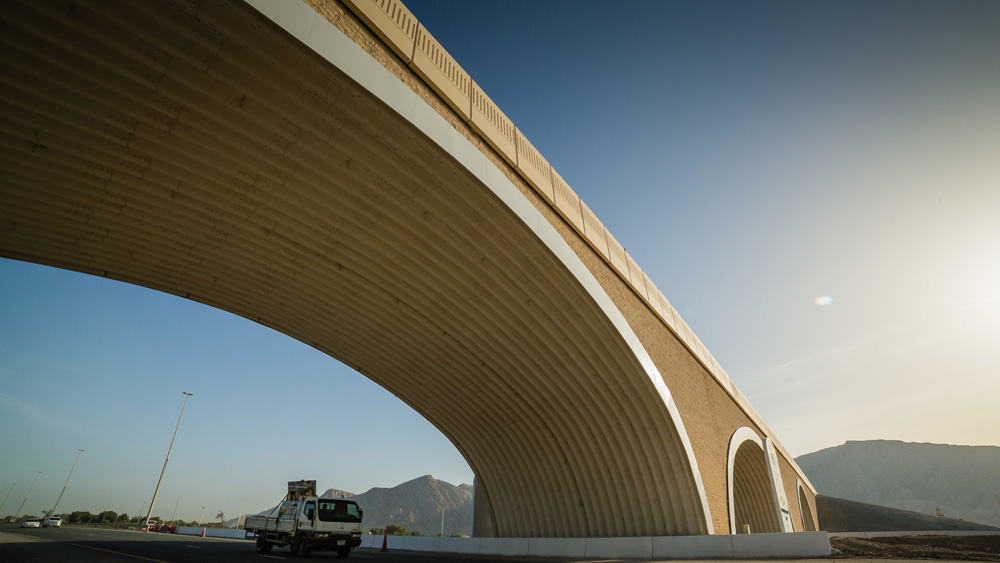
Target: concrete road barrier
782,545
460,545
693,547
801,544
213,532
507,547
638,548
557,547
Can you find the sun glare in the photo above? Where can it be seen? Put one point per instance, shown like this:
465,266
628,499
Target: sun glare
823,300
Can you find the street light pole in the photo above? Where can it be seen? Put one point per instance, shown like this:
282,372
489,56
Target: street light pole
170,449
26,496
176,502
239,516
53,511
8,495
202,514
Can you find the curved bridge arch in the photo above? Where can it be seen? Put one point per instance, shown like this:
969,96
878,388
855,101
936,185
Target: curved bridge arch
237,169
751,496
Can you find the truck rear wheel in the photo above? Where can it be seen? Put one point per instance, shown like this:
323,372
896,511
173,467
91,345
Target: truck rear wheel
262,545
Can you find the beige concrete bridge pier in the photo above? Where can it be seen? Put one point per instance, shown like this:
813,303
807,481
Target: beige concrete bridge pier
326,169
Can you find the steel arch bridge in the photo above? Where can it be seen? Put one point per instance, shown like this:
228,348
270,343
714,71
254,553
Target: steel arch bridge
327,170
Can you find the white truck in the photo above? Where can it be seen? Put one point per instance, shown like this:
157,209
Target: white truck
305,522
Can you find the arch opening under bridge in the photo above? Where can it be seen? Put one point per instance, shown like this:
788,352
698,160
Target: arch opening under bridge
752,506
211,156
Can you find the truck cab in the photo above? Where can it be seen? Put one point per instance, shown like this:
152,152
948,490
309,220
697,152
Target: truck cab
308,523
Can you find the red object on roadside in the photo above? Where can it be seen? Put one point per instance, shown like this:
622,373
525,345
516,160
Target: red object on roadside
385,542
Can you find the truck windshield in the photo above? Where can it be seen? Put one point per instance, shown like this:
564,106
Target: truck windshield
338,511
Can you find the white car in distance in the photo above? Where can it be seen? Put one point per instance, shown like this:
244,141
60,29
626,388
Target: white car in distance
53,522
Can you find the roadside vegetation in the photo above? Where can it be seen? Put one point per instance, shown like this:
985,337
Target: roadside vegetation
397,530
111,519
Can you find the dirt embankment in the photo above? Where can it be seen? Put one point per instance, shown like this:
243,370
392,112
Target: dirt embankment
969,548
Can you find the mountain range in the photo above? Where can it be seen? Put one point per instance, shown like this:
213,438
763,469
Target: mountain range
962,481
416,505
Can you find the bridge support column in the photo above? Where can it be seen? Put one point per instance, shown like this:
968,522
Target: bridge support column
482,519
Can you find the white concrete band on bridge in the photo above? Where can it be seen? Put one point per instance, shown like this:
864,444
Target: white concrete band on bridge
403,33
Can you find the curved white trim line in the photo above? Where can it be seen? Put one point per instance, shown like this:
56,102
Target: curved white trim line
742,434
799,490
326,40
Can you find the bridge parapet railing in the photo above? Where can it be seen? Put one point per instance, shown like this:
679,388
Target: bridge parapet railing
392,22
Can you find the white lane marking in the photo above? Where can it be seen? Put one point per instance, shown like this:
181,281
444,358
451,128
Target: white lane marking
272,556
192,546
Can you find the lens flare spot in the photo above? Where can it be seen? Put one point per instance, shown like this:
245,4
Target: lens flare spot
823,300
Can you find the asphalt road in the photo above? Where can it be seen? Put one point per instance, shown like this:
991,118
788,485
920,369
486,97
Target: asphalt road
71,545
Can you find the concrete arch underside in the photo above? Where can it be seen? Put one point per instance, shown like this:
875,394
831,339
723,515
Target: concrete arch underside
202,152
751,496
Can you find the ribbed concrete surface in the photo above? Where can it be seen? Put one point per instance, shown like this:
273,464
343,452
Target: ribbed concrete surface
805,511
190,147
754,504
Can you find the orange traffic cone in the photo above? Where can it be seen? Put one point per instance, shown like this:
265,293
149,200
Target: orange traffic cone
385,545
203,532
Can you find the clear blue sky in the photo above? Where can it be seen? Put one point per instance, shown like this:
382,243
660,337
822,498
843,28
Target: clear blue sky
752,156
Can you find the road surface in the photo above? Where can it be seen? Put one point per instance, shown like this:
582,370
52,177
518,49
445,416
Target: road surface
84,545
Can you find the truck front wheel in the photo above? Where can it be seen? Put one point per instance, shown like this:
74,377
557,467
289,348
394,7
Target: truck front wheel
300,546
262,545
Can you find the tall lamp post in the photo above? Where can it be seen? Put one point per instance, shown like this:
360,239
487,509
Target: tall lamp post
53,511
8,495
170,449
26,496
